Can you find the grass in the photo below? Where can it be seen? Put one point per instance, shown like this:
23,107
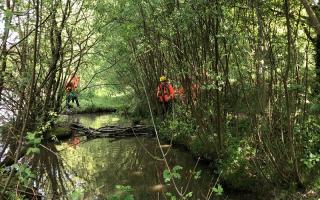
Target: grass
104,104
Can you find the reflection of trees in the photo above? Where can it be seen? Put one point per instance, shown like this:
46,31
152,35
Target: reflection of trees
99,120
103,164
51,174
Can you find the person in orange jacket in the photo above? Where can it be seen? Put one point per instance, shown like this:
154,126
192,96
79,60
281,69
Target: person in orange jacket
71,90
165,94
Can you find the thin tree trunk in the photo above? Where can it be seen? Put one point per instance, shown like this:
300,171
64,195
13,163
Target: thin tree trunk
4,51
287,94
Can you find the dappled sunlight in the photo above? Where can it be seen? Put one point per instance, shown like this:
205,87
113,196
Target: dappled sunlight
137,173
235,84
118,95
98,120
165,146
157,188
115,119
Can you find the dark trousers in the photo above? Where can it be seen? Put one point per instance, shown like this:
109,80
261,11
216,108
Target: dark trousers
166,107
72,97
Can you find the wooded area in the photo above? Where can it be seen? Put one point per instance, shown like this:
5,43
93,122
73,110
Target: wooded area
250,71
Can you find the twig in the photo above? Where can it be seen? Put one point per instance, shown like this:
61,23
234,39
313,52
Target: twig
190,176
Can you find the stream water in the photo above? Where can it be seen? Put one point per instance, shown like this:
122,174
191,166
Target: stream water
95,167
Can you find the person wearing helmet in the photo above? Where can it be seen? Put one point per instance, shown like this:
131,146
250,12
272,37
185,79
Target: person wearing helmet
165,94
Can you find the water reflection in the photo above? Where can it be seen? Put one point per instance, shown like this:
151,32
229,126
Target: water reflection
52,177
124,162
97,120
97,166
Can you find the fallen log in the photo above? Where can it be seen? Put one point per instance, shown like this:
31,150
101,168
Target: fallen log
113,131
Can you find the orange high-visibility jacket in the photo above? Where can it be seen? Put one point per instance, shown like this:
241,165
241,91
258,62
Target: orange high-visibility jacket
73,84
164,91
75,81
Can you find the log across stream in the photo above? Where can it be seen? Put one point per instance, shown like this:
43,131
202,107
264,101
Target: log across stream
113,131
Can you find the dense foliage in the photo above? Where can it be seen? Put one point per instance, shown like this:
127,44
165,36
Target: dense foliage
249,71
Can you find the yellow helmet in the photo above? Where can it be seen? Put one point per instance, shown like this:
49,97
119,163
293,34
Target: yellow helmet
163,78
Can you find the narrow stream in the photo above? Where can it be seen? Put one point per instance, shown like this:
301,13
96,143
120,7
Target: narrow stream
96,166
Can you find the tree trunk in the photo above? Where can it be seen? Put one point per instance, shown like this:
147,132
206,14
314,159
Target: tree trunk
4,51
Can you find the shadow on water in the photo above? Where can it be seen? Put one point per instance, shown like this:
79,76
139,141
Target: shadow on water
95,167
103,164
52,176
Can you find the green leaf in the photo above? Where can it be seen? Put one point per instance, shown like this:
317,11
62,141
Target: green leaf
177,168
16,166
29,151
37,141
8,13
114,197
168,194
189,195
33,150
176,175
30,136
166,176
197,175
77,194
124,188
129,197
218,190
118,187
175,172
172,197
